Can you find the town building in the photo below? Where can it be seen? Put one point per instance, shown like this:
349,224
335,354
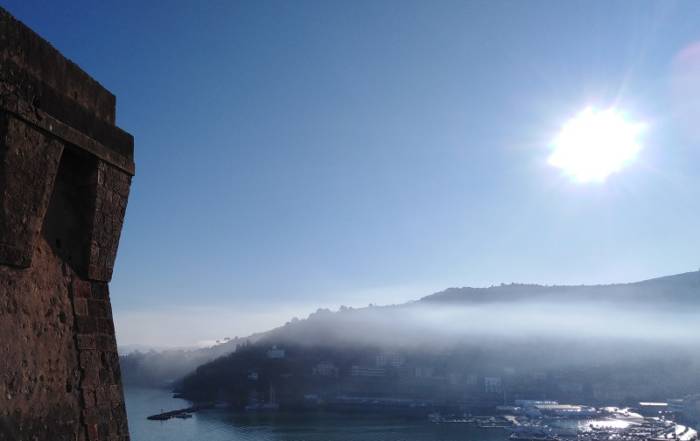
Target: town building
493,384
365,371
325,369
275,353
390,359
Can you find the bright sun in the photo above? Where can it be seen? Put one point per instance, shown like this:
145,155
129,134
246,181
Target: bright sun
594,144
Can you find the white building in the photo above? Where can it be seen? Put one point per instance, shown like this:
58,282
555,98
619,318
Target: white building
393,359
363,371
275,353
493,384
325,369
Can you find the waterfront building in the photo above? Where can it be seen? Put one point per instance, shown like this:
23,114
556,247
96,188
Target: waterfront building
390,359
566,410
652,408
533,403
325,369
366,371
493,384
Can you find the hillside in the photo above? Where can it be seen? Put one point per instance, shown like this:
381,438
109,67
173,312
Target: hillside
511,315
677,289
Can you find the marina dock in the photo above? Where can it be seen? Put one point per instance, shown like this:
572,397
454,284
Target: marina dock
179,413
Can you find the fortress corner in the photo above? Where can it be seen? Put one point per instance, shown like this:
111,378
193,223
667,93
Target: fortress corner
65,173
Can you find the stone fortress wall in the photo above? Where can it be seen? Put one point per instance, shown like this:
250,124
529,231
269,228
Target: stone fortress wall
65,172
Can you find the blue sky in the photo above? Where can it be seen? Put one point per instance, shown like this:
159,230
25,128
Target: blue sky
292,155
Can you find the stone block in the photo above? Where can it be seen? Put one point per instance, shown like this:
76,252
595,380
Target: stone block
111,193
80,306
100,290
97,308
86,341
105,326
91,377
86,325
89,359
90,415
28,166
92,431
106,343
81,288
117,395
89,397
103,395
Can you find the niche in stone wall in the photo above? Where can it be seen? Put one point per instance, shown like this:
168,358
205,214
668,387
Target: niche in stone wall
68,220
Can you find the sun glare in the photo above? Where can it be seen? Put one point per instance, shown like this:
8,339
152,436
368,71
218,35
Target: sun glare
594,144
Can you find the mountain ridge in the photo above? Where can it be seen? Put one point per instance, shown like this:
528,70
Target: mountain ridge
688,279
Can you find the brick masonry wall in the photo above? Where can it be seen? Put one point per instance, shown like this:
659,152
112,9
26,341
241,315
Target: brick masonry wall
103,411
65,173
40,395
28,156
59,373
112,193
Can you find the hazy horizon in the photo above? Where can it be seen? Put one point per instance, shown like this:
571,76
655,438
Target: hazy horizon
181,323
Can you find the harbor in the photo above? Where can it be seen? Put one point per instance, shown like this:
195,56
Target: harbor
499,423
551,421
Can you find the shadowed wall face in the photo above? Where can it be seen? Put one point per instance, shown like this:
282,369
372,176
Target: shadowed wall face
65,172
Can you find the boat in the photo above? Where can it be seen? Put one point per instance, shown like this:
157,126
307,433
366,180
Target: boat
262,407
528,435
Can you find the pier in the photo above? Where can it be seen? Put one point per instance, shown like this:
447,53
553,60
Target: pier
179,413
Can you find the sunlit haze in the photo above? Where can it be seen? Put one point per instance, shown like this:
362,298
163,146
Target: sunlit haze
311,154
596,143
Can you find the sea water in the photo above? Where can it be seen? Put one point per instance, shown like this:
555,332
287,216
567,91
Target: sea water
227,425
